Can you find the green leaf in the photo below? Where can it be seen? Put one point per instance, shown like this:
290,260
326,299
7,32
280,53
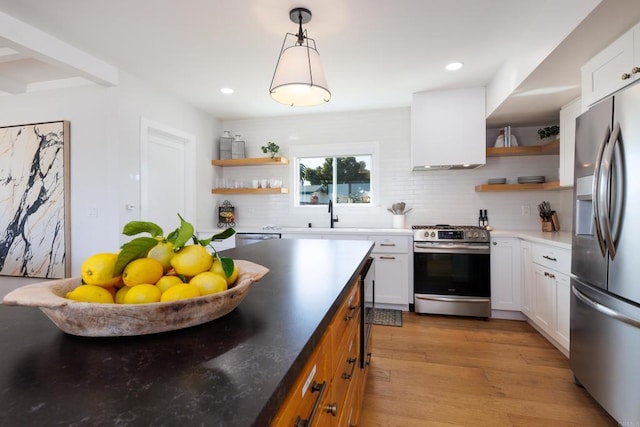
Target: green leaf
137,227
136,248
184,233
220,236
171,237
227,266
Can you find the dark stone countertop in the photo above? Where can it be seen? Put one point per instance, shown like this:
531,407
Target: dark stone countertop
233,371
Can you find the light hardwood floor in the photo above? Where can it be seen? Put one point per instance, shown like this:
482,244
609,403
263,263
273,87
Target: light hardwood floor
458,371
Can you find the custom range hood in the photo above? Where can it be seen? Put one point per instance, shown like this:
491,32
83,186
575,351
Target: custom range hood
448,129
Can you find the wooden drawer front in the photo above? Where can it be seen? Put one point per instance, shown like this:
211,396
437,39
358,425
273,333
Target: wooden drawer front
305,393
551,257
346,316
345,373
390,244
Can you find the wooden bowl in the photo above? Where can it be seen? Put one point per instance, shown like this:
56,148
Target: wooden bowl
112,320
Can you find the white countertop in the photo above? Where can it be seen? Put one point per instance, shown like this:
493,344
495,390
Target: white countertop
317,230
561,239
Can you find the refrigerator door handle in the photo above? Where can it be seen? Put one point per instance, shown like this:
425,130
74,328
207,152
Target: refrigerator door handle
595,190
604,189
604,309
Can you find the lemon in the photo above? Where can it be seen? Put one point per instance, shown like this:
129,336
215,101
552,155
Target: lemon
98,270
216,267
120,294
90,293
162,252
142,294
209,282
191,260
166,282
142,270
180,291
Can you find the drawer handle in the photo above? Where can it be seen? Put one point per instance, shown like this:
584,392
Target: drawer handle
550,275
332,409
368,362
387,244
625,76
387,257
352,361
635,70
549,258
315,387
352,312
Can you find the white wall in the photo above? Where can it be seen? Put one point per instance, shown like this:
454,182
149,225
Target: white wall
436,197
105,153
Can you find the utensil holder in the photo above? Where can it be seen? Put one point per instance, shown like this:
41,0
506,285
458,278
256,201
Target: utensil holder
552,224
398,221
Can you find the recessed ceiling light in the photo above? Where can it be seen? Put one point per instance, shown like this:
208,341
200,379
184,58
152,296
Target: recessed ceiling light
226,90
454,66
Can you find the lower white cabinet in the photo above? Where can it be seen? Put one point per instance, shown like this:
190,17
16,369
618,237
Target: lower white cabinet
526,278
550,298
505,274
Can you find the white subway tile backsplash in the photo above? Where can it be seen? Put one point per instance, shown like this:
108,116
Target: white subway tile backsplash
436,197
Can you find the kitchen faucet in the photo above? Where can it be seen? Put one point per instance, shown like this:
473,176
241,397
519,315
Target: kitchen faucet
332,219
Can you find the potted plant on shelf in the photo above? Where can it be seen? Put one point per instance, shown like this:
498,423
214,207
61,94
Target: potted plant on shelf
549,132
271,148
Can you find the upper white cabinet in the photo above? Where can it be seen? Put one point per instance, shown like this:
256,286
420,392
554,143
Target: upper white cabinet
568,115
448,129
613,68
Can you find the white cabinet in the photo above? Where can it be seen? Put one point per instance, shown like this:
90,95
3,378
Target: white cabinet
526,278
505,273
448,128
613,68
550,299
568,115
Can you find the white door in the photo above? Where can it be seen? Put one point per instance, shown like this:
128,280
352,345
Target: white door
167,175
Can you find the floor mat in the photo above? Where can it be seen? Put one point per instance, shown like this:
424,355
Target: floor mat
387,317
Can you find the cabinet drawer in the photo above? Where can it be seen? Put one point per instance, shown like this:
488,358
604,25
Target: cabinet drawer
390,244
310,389
552,257
346,317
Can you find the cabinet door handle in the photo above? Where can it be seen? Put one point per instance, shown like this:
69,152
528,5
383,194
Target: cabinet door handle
352,361
387,257
635,70
300,422
368,362
352,312
332,408
549,258
625,76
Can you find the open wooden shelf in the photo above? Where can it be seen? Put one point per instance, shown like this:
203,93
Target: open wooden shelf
552,147
255,161
547,186
250,191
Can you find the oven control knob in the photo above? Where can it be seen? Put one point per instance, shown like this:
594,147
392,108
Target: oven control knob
469,234
475,235
433,234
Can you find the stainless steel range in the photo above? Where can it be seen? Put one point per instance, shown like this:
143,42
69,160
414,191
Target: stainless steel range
451,270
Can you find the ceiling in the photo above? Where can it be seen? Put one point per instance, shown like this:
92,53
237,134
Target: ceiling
376,54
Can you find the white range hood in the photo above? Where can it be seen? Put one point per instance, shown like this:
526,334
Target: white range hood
448,129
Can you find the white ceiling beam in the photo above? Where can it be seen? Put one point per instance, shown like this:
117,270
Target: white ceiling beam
24,38
12,86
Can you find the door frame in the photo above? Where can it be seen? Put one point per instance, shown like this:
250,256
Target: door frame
150,127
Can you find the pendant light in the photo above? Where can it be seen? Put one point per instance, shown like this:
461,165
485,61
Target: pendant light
299,78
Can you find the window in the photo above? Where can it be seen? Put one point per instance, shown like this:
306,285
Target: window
342,174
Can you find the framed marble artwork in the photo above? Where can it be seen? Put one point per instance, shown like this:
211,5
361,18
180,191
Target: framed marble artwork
34,200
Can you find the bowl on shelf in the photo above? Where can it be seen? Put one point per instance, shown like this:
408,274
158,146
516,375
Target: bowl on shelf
112,320
537,179
494,181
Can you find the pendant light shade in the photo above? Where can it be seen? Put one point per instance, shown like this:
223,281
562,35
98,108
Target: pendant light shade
299,79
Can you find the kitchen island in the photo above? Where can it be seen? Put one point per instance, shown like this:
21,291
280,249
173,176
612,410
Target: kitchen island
233,371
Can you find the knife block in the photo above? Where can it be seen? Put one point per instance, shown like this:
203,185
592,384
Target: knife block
553,224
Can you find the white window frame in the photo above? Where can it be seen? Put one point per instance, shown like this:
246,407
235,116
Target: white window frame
335,150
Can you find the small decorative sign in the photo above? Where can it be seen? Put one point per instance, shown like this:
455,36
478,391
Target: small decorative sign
226,215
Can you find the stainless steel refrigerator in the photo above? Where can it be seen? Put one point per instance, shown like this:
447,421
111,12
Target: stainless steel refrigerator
605,259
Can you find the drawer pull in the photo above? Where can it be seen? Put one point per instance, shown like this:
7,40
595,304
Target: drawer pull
550,275
387,257
635,70
549,258
352,312
387,244
352,361
332,409
315,387
625,76
368,362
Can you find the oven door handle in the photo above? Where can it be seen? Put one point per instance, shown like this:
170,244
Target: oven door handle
458,249
447,299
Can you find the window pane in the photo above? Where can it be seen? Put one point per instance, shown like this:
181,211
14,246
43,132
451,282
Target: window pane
353,179
316,176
